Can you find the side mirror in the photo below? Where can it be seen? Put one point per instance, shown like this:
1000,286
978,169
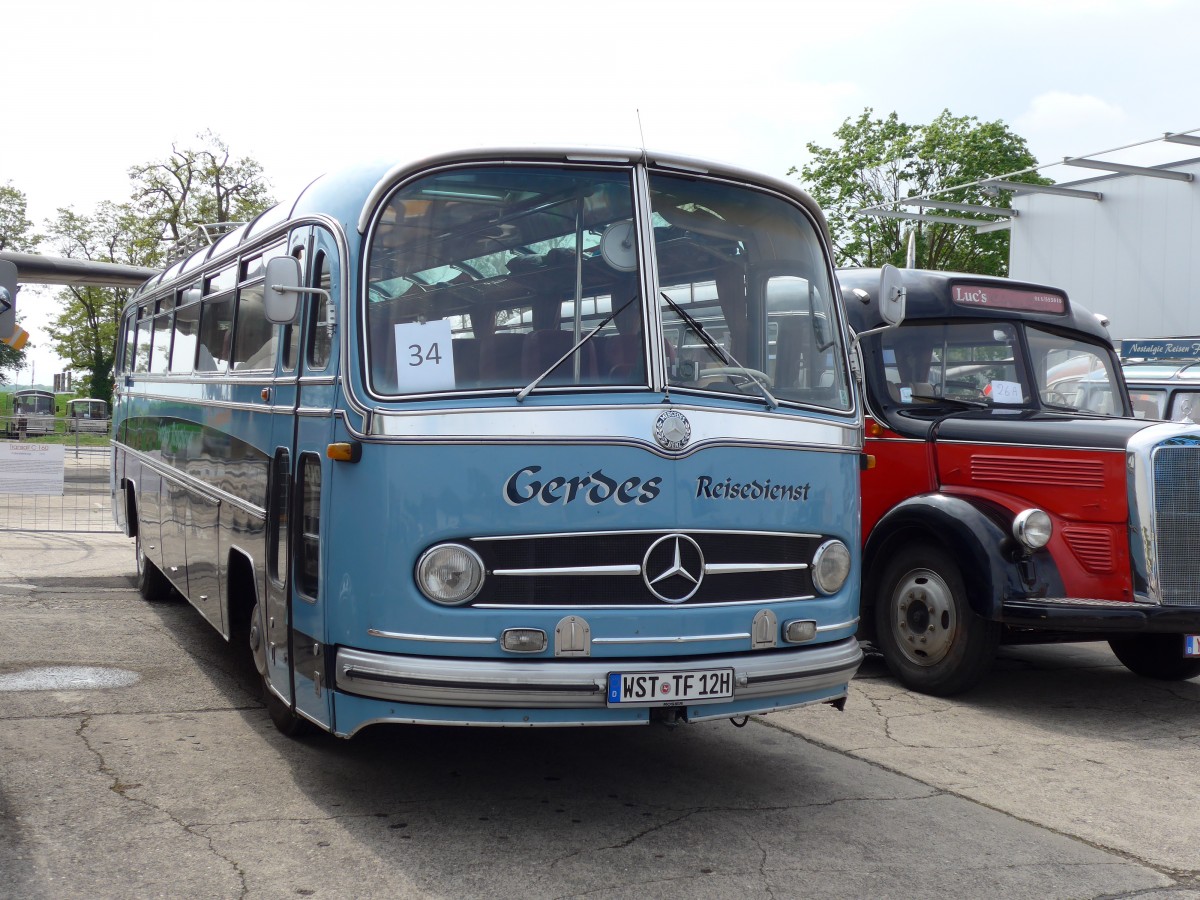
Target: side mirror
281,299
892,295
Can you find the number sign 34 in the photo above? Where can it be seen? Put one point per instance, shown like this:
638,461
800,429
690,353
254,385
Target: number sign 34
424,356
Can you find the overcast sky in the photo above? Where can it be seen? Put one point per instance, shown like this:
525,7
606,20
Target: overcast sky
92,88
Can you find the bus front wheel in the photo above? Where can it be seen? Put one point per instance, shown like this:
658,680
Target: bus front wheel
930,638
282,717
1156,656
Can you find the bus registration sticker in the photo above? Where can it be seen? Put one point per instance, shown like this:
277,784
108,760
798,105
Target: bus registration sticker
1191,645
669,688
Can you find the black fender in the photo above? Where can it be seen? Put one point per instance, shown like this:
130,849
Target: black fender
978,534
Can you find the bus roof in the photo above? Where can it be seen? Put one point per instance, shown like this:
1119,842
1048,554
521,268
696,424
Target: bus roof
961,295
349,196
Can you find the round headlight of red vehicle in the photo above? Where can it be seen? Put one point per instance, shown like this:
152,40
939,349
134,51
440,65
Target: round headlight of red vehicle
1032,528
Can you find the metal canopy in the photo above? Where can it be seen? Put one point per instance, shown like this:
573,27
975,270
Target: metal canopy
1022,187
962,207
1126,169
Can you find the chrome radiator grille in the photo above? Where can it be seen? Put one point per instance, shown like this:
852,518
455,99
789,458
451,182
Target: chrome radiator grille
1177,523
630,569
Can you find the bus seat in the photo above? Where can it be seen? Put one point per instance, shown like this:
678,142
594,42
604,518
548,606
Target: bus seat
500,358
466,361
544,348
789,346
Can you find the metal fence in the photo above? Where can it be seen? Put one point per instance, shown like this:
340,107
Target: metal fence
54,475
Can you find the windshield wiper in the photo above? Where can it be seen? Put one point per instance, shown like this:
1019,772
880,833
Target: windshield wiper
722,354
524,392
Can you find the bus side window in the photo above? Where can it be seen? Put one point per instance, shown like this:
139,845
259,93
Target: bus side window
277,554
130,342
255,339
308,549
216,328
320,327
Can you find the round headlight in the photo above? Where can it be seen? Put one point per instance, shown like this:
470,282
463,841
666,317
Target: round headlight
1032,528
449,574
830,566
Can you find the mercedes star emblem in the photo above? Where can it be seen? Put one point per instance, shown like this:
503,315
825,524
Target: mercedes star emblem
673,568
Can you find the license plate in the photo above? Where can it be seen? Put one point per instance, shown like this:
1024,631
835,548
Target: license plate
1191,645
669,688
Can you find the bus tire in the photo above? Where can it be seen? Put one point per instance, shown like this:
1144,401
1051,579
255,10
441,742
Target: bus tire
1157,656
152,584
929,636
282,717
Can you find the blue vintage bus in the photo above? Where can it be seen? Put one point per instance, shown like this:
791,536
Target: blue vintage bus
508,438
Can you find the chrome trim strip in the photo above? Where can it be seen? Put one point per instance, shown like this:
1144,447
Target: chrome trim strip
709,569
678,639
188,481
738,568
642,606
591,534
432,638
573,570
611,423
580,683
853,623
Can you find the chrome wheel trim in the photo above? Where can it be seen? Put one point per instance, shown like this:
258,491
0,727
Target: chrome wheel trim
924,620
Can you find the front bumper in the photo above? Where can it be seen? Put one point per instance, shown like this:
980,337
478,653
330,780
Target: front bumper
761,679
1110,618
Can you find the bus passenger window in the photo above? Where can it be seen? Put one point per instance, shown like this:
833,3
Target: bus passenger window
187,322
144,328
160,355
216,328
254,342
130,343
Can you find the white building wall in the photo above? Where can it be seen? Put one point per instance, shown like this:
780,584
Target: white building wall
1133,256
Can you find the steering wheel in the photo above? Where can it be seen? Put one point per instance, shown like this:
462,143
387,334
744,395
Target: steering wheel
739,371
1051,396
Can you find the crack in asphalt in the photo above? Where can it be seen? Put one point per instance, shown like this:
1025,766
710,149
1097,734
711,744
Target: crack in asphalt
122,788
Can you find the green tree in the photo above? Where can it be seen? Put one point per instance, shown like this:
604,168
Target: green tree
880,161
193,186
84,333
200,185
16,234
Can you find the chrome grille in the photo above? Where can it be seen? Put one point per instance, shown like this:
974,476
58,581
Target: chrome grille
1177,522
606,569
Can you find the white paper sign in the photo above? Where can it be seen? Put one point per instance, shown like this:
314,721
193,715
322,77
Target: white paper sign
424,356
31,468
1006,392
906,395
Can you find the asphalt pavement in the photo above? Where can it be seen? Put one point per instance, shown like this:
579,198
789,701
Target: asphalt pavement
136,760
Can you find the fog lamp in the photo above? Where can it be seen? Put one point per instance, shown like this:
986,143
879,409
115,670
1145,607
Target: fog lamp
830,566
449,574
523,640
799,630
1032,528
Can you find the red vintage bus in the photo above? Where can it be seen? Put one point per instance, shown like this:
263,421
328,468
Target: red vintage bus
1002,505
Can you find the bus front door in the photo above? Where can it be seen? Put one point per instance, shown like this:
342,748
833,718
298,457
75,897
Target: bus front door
306,393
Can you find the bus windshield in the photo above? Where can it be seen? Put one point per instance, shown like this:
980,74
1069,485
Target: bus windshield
518,277
986,364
